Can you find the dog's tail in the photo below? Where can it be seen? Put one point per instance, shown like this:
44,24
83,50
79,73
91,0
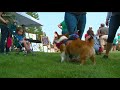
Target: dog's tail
91,41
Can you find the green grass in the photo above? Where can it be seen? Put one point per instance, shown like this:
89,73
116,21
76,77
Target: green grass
48,65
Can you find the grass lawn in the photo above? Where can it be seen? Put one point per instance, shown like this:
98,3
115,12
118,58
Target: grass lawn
48,65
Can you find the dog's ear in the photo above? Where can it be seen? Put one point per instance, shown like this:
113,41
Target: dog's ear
57,34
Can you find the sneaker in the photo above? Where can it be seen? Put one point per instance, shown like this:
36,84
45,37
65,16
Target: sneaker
105,57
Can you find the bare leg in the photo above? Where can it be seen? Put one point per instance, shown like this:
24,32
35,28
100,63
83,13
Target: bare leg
28,44
114,48
27,47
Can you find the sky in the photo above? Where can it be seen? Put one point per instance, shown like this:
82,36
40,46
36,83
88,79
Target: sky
50,20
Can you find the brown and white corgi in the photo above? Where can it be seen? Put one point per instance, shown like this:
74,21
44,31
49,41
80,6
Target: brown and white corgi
76,48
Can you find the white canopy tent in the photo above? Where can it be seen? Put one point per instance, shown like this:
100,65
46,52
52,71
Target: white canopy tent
27,20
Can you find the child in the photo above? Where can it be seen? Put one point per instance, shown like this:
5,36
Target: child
21,39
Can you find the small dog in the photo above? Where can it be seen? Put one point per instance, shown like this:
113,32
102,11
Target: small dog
78,49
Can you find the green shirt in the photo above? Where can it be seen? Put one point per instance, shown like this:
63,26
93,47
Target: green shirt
119,37
115,41
64,26
10,16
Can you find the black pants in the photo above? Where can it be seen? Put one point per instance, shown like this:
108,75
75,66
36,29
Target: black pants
4,35
113,27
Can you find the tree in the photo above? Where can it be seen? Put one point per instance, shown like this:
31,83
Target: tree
35,30
34,15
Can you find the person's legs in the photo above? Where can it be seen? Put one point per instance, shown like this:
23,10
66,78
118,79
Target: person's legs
7,49
26,45
114,47
113,26
4,34
71,22
102,43
9,42
81,24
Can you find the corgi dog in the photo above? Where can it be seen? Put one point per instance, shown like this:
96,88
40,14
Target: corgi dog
77,48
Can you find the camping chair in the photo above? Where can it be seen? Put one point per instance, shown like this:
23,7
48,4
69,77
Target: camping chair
19,47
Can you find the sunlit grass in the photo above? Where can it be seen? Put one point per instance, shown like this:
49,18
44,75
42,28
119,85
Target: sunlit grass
48,65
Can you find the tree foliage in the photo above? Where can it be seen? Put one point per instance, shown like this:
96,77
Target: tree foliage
35,30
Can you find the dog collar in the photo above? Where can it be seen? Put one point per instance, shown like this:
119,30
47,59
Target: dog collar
62,42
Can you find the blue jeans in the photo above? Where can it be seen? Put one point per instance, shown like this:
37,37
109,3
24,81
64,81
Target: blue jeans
113,27
75,22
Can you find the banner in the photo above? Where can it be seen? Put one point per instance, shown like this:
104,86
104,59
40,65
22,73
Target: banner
30,36
45,40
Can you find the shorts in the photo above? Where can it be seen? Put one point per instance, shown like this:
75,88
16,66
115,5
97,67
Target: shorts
103,40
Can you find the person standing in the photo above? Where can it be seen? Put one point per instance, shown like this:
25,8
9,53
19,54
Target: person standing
113,27
7,20
63,27
103,35
75,21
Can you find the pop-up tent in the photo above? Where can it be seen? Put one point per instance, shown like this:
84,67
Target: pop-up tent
27,20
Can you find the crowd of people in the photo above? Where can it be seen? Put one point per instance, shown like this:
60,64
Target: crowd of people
104,39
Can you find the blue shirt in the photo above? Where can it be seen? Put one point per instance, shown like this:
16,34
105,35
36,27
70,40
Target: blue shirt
19,37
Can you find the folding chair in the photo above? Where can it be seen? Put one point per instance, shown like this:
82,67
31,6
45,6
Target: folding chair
19,47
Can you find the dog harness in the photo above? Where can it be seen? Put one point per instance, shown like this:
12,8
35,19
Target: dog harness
62,42
71,37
